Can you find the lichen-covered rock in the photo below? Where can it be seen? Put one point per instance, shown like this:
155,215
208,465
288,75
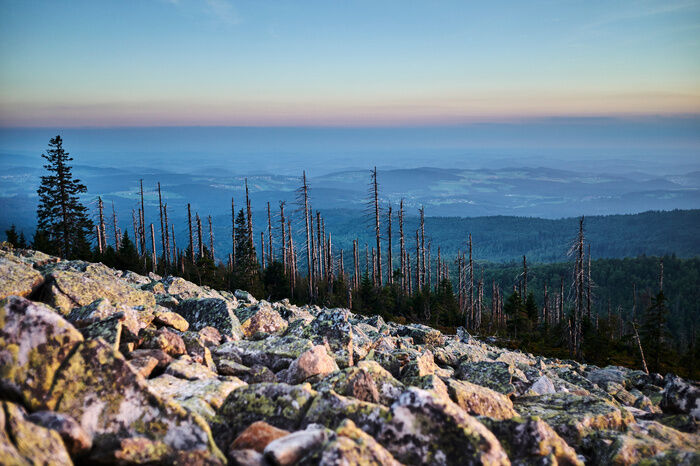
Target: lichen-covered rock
681,397
198,350
313,362
74,284
247,457
542,386
211,312
422,334
18,278
260,318
99,389
574,416
355,382
479,401
24,442
646,442
431,383
291,448
76,440
170,319
210,336
34,343
329,409
426,429
182,289
257,436
351,445
275,352
144,365
202,396
278,404
532,441
166,340
185,368
163,359
109,329
497,376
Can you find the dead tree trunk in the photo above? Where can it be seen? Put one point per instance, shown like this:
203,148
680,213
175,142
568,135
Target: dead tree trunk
233,236
103,234
99,238
389,258
284,250
524,277
166,251
117,235
471,284
376,226
588,284
163,227
143,221
211,240
153,248
418,264
175,253
305,191
262,250
189,223
200,242
136,237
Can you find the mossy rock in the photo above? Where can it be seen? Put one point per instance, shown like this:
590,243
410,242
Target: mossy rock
480,401
497,376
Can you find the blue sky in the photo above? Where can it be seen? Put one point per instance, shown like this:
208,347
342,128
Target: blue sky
221,62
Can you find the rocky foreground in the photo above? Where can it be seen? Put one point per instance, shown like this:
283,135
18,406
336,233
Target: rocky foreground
103,366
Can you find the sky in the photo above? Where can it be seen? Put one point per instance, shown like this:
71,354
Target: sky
101,63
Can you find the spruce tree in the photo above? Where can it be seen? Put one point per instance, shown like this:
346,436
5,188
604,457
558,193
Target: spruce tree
60,213
654,332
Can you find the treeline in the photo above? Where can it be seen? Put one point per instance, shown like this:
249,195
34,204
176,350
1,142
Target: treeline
403,276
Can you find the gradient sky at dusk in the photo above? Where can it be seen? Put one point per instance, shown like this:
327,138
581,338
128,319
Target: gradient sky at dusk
221,62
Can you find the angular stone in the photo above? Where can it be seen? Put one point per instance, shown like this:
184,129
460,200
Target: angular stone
74,284
109,329
480,401
23,442
497,376
421,366
211,312
144,365
351,445
426,429
197,350
34,343
291,448
681,397
278,404
574,416
645,442
16,277
257,436
355,382
210,336
532,441
543,386
163,359
260,318
274,352
75,438
313,362
112,402
329,409
422,334
246,458
165,340
185,368
388,387
170,319
202,396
